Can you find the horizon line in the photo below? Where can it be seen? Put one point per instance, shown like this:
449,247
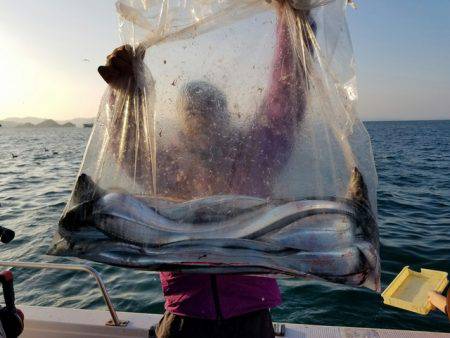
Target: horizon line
95,116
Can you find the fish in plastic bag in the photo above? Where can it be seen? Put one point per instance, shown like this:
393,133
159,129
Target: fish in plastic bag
234,147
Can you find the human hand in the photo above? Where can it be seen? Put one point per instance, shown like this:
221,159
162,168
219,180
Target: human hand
119,71
437,300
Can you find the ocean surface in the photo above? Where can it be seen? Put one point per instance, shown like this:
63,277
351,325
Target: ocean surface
413,162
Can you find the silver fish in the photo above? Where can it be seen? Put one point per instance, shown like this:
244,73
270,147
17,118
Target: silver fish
209,209
331,239
132,220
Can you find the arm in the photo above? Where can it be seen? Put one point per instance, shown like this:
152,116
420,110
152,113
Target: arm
269,143
129,134
286,98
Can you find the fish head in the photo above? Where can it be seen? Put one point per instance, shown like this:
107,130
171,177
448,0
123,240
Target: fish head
366,219
78,216
86,190
78,212
357,188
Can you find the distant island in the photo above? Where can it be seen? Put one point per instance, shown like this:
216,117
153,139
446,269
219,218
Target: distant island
46,124
36,122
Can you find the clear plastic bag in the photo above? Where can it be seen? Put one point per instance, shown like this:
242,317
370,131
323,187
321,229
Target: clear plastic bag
235,149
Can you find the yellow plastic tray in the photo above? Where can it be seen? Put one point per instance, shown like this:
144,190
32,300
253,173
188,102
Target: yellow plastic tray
409,290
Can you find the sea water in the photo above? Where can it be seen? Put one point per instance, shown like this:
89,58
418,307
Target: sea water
413,163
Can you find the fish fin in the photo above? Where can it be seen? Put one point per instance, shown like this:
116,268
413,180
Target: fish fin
86,190
357,188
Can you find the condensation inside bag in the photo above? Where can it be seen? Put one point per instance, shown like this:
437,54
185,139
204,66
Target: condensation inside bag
235,149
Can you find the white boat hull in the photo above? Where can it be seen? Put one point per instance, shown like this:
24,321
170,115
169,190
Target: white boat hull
50,322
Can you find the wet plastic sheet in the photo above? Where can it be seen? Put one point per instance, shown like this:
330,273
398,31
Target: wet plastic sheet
236,148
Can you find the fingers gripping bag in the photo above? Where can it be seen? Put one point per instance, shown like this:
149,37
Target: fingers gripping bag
234,148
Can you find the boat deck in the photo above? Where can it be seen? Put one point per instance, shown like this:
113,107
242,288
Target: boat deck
48,322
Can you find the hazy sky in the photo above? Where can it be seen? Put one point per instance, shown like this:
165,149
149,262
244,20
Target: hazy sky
50,51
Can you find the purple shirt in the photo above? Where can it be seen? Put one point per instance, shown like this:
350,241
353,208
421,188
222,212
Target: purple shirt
217,296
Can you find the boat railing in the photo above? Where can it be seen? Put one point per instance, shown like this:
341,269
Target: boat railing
115,321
